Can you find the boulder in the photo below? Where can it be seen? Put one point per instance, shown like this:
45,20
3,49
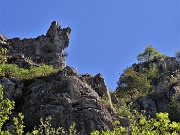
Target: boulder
9,88
13,89
148,105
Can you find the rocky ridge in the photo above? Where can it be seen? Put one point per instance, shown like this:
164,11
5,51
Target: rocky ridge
68,97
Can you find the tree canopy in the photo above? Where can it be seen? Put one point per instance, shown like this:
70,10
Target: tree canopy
133,83
150,53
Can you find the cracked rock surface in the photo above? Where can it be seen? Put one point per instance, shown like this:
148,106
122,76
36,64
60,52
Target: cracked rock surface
67,98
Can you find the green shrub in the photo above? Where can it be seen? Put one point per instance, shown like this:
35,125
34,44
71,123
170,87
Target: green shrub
139,124
5,110
11,70
133,83
152,72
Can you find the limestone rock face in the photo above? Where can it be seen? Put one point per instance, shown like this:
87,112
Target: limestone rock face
67,99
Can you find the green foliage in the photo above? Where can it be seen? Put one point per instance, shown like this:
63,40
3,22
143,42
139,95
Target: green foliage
11,70
105,101
133,83
149,54
18,124
139,124
5,109
159,126
47,129
152,72
124,111
3,58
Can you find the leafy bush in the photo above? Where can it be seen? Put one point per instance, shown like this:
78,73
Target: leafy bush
152,72
139,124
5,110
11,70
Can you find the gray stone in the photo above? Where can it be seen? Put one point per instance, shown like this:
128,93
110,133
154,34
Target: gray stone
97,83
66,98
148,105
41,50
9,88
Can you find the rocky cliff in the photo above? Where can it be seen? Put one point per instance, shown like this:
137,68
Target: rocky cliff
67,97
64,96
164,95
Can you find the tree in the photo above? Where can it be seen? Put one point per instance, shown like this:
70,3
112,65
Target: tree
133,83
149,53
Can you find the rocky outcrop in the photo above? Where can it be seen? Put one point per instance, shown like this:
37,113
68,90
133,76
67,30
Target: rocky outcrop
13,88
41,50
149,105
64,96
67,98
97,83
165,93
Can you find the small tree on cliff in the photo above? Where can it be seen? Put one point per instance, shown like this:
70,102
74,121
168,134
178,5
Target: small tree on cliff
149,53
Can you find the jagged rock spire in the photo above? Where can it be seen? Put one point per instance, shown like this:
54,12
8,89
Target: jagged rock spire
59,36
43,49
53,29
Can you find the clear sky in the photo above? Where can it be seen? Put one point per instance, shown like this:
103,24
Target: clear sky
106,35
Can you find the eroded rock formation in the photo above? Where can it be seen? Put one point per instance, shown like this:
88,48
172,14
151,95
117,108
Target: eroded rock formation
41,50
67,99
64,96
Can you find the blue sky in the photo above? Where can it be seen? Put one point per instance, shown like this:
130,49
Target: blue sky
106,35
